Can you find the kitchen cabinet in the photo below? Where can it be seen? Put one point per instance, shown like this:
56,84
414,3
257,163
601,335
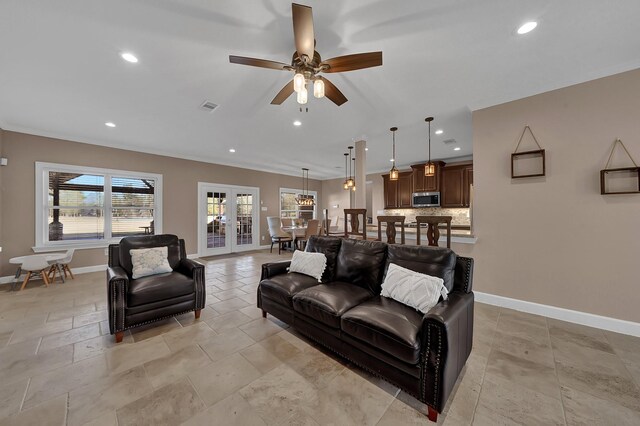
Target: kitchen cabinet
422,183
405,189
390,192
456,181
397,194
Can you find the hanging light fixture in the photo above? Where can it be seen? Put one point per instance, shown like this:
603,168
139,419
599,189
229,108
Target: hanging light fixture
345,185
298,82
318,88
393,173
350,181
353,188
304,199
429,168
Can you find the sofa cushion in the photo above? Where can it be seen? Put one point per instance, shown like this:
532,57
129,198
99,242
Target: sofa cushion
281,288
329,246
361,263
327,302
435,261
308,263
387,325
159,287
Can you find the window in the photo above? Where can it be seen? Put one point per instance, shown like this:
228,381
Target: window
90,207
289,207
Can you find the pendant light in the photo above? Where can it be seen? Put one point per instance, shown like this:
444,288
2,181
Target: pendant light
429,168
393,173
345,185
353,188
350,181
304,199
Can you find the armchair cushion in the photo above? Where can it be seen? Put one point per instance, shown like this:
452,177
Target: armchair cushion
170,241
149,261
155,288
387,325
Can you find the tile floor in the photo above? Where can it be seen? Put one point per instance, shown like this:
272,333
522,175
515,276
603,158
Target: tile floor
58,365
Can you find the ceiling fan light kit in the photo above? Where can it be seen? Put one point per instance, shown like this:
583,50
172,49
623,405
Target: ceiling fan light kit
307,64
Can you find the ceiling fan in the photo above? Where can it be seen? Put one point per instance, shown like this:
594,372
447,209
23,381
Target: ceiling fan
307,64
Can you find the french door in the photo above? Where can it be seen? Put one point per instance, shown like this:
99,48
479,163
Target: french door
228,219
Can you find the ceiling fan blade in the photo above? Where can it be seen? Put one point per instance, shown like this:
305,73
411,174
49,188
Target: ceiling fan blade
303,30
353,62
333,93
283,94
262,63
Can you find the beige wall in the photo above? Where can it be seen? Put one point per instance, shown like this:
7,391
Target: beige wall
1,192
556,240
333,194
180,179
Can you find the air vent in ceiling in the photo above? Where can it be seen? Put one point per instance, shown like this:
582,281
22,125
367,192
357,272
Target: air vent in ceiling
208,106
449,141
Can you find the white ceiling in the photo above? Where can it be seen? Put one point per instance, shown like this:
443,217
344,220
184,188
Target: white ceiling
61,74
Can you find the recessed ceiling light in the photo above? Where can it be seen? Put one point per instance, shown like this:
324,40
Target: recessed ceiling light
110,124
231,150
129,57
457,148
297,123
527,27
366,149
392,160
439,132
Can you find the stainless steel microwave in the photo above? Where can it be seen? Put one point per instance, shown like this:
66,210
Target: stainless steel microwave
425,199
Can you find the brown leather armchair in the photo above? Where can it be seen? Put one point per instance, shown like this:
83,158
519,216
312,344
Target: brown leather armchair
134,302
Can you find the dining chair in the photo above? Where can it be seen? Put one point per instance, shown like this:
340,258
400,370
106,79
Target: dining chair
277,234
390,231
35,265
313,228
355,217
433,231
286,221
62,265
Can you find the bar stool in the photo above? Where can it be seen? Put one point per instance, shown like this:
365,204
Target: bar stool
433,232
354,219
391,222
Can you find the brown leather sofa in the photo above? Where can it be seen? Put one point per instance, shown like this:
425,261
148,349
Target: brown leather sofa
422,354
134,302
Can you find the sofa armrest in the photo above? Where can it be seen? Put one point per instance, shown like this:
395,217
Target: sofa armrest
274,268
117,287
195,271
447,338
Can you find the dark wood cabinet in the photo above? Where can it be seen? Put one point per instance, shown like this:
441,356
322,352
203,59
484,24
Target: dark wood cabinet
397,194
456,182
466,194
405,189
452,187
453,182
422,183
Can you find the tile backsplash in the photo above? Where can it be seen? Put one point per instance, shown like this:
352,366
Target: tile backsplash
460,216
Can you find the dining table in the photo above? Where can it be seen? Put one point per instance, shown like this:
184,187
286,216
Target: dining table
296,231
51,258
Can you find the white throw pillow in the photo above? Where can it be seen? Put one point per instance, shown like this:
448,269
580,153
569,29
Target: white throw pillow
308,263
149,261
420,291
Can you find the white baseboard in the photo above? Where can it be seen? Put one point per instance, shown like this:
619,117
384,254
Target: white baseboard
76,271
577,317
